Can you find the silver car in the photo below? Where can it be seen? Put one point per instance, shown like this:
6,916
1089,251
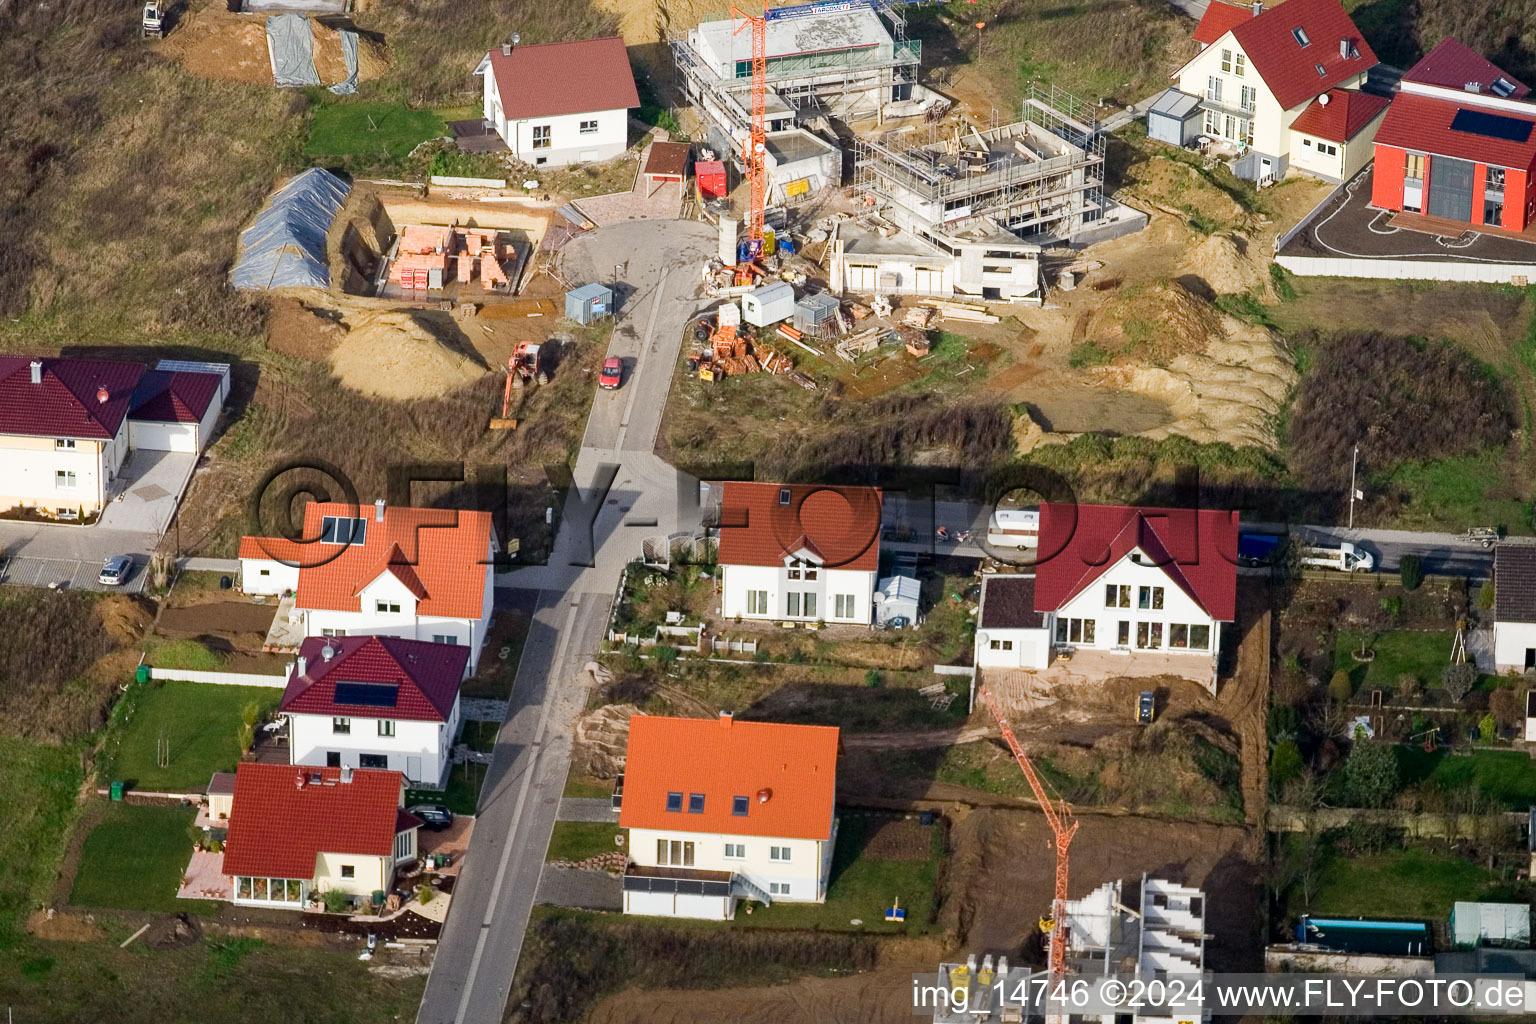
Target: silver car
115,570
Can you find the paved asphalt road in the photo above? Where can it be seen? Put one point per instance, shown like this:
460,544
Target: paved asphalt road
483,936
1446,554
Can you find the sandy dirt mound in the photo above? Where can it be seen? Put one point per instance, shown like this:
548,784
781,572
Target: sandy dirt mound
297,329
1221,262
601,738
404,355
1154,323
358,237
64,927
214,42
1230,392
1178,189
123,619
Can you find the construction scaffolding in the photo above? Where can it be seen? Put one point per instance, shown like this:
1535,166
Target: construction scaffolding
1040,176
857,69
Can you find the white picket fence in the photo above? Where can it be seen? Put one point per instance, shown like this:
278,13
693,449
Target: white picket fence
190,675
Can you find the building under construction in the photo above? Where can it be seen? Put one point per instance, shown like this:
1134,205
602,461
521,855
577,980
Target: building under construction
846,59
1163,936
1040,179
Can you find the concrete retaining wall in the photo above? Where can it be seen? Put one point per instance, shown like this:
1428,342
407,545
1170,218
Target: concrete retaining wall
1409,270
452,182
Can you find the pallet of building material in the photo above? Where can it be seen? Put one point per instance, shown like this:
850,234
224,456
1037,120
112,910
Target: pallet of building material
773,361
751,365
804,381
789,333
916,341
952,304
918,317
969,316
860,311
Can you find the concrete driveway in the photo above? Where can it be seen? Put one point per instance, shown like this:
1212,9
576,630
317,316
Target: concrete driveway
149,489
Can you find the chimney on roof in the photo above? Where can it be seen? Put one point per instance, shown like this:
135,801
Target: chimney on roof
37,371
102,395
378,510
302,665
1474,87
346,775
1258,7
725,718
326,653
764,794
506,49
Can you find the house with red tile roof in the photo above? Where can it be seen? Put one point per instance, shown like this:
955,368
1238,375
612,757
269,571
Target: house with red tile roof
560,103
67,426
1261,69
297,832
376,702
378,570
1116,579
799,552
1459,143
720,810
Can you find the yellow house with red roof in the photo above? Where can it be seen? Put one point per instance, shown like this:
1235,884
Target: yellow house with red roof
720,811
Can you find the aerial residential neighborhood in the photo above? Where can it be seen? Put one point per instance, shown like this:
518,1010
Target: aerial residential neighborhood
841,511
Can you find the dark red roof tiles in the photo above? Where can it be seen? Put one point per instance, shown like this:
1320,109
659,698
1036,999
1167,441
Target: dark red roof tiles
1219,19
427,676
1452,65
68,400
179,397
1423,124
1288,67
551,79
1343,117
1197,549
280,821
841,524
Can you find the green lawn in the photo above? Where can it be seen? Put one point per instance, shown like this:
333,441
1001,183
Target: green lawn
578,840
461,795
134,859
1398,883
861,888
580,785
1404,653
182,653
1453,494
38,784
201,723
371,129
1508,776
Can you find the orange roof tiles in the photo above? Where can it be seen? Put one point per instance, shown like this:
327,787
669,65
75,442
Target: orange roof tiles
841,524
794,766
279,820
441,555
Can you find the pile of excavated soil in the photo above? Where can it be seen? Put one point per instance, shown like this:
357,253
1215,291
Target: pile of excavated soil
296,329
601,738
404,355
1154,323
123,618
360,233
1221,262
214,42
1178,189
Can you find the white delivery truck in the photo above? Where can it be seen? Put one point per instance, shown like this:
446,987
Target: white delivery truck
1345,557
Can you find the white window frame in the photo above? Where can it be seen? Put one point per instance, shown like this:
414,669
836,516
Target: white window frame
63,444
1213,88
445,638
735,851
543,137
65,480
341,726
779,889
757,602
588,127
1239,65
779,854
386,607
1226,62
387,727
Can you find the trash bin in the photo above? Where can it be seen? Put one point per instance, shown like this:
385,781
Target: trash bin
378,897
142,675
117,791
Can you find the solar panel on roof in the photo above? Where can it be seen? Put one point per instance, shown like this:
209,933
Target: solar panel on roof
367,695
1493,126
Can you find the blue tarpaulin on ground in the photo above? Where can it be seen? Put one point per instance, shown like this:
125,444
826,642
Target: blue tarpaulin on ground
285,246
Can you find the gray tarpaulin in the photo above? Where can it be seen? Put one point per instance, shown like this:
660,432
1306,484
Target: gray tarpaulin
293,50
349,54
285,246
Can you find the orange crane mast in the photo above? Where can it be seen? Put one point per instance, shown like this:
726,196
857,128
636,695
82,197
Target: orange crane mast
755,146
1059,816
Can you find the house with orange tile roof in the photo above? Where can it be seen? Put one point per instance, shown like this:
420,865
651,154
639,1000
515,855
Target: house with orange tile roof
719,811
1279,88
296,832
416,573
799,552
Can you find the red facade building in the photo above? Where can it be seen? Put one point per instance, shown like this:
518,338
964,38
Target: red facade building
1459,143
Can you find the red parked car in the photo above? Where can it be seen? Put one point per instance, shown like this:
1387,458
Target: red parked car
613,373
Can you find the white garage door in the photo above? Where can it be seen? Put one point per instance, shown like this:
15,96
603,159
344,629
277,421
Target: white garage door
162,437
